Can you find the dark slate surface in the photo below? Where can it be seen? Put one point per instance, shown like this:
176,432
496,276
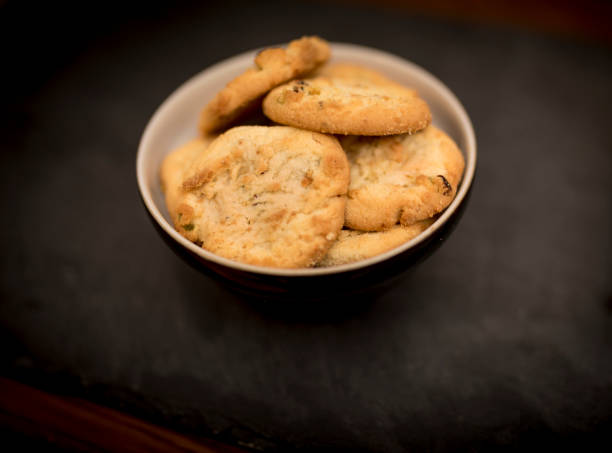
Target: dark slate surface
502,339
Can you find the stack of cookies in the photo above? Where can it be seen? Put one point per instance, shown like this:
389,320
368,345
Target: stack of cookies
346,166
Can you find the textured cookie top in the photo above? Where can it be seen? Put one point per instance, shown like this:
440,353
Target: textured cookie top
272,67
403,178
347,106
354,72
355,245
271,196
173,169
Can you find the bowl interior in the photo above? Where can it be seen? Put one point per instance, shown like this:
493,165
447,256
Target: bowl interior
175,122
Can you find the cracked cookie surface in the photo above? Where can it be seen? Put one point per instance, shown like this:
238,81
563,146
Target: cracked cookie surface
353,245
347,106
273,67
270,196
403,178
173,168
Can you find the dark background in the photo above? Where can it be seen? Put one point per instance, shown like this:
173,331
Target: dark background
501,340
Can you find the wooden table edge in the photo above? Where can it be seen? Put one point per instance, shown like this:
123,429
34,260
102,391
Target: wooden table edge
78,424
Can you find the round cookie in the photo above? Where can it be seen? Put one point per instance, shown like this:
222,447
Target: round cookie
354,72
347,106
270,196
173,169
403,178
355,245
272,67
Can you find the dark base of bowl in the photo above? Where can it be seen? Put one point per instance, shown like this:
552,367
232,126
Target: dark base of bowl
356,285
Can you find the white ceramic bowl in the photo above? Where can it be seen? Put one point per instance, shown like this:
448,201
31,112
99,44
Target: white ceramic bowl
175,122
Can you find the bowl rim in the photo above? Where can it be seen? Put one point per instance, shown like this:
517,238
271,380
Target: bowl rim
373,54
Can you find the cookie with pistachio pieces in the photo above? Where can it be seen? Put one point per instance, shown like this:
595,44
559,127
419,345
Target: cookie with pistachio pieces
347,106
172,172
269,196
273,67
403,178
353,245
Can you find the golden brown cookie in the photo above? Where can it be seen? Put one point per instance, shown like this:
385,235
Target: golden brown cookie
347,106
272,67
354,72
173,170
353,245
403,178
270,196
